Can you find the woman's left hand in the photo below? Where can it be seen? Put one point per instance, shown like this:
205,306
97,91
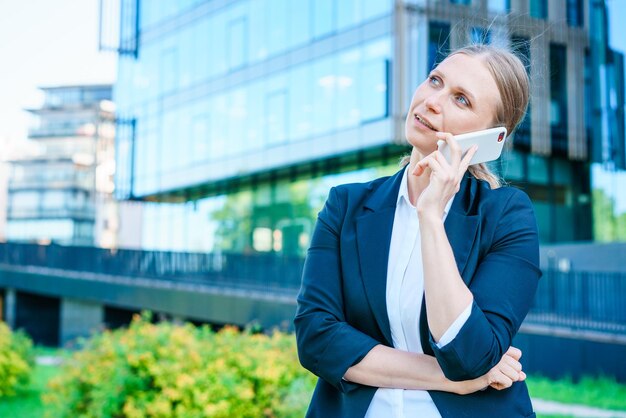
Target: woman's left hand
445,177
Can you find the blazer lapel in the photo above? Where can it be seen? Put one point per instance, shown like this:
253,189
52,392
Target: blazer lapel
374,230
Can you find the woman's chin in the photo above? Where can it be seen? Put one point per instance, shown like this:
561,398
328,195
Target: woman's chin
425,146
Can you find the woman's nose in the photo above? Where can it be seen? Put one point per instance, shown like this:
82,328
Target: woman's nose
433,102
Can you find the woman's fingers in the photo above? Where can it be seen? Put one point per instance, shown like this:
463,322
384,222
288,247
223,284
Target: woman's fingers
499,381
465,162
509,372
430,162
516,353
455,149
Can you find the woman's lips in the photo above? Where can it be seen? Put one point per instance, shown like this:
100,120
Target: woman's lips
417,122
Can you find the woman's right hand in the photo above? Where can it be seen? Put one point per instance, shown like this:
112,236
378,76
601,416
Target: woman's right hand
507,371
501,376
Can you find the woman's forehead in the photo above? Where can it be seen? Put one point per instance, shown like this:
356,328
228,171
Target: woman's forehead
469,73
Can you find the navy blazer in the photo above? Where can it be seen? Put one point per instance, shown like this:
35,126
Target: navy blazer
342,311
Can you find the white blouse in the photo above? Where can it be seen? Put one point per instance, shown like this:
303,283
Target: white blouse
405,290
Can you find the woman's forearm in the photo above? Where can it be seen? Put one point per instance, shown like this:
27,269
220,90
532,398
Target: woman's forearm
391,368
445,292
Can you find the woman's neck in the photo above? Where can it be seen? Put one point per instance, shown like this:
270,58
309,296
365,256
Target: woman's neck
416,184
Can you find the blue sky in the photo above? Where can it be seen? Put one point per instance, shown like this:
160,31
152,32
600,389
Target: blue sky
45,42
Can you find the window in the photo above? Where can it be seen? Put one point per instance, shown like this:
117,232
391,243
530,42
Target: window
539,9
521,47
323,17
374,99
499,6
237,48
575,12
169,70
558,97
276,107
480,35
277,23
438,43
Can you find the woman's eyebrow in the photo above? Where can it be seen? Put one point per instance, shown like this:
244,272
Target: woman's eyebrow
459,88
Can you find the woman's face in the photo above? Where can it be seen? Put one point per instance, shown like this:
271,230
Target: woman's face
459,96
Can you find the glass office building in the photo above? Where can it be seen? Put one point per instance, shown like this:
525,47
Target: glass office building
236,117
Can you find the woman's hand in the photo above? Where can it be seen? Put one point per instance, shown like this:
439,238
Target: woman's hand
507,371
445,177
501,376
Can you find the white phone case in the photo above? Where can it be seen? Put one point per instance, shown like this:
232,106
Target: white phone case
490,143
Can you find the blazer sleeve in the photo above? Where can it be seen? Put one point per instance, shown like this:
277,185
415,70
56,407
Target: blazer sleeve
503,286
327,345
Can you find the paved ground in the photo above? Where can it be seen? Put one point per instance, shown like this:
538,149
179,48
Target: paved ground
555,408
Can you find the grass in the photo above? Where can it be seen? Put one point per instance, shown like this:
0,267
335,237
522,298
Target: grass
602,393
28,403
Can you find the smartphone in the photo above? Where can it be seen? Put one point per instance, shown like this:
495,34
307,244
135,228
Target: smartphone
490,143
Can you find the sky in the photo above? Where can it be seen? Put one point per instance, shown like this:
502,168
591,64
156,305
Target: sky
43,43
55,42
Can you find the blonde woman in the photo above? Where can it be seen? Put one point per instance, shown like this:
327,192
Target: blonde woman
415,285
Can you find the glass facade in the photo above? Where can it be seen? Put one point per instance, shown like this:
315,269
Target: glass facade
235,118
189,116
558,98
539,9
575,14
438,43
521,46
275,216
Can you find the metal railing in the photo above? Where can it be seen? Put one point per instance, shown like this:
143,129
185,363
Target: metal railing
581,300
586,301
269,272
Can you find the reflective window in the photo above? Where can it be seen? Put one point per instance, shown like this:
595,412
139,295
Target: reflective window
348,13
373,9
539,9
236,38
499,6
575,15
301,110
346,86
480,35
274,217
438,43
323,17
324,89
537,169
558,97
521,47
277,25
276,108
300,22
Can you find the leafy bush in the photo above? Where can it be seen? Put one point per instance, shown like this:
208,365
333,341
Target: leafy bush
168,370
16,361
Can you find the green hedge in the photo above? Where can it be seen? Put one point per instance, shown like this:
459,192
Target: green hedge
168,370
16,361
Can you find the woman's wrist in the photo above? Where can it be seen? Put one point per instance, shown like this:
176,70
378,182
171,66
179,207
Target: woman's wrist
466,387
429,217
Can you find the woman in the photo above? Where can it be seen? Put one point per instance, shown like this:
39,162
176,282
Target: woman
415,285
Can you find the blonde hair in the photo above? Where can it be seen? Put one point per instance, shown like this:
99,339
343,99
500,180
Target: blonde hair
513,84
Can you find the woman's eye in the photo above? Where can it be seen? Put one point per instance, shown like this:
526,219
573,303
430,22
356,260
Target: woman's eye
462,100
434,80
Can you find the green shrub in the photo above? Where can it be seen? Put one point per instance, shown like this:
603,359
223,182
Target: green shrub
168,370
16,361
